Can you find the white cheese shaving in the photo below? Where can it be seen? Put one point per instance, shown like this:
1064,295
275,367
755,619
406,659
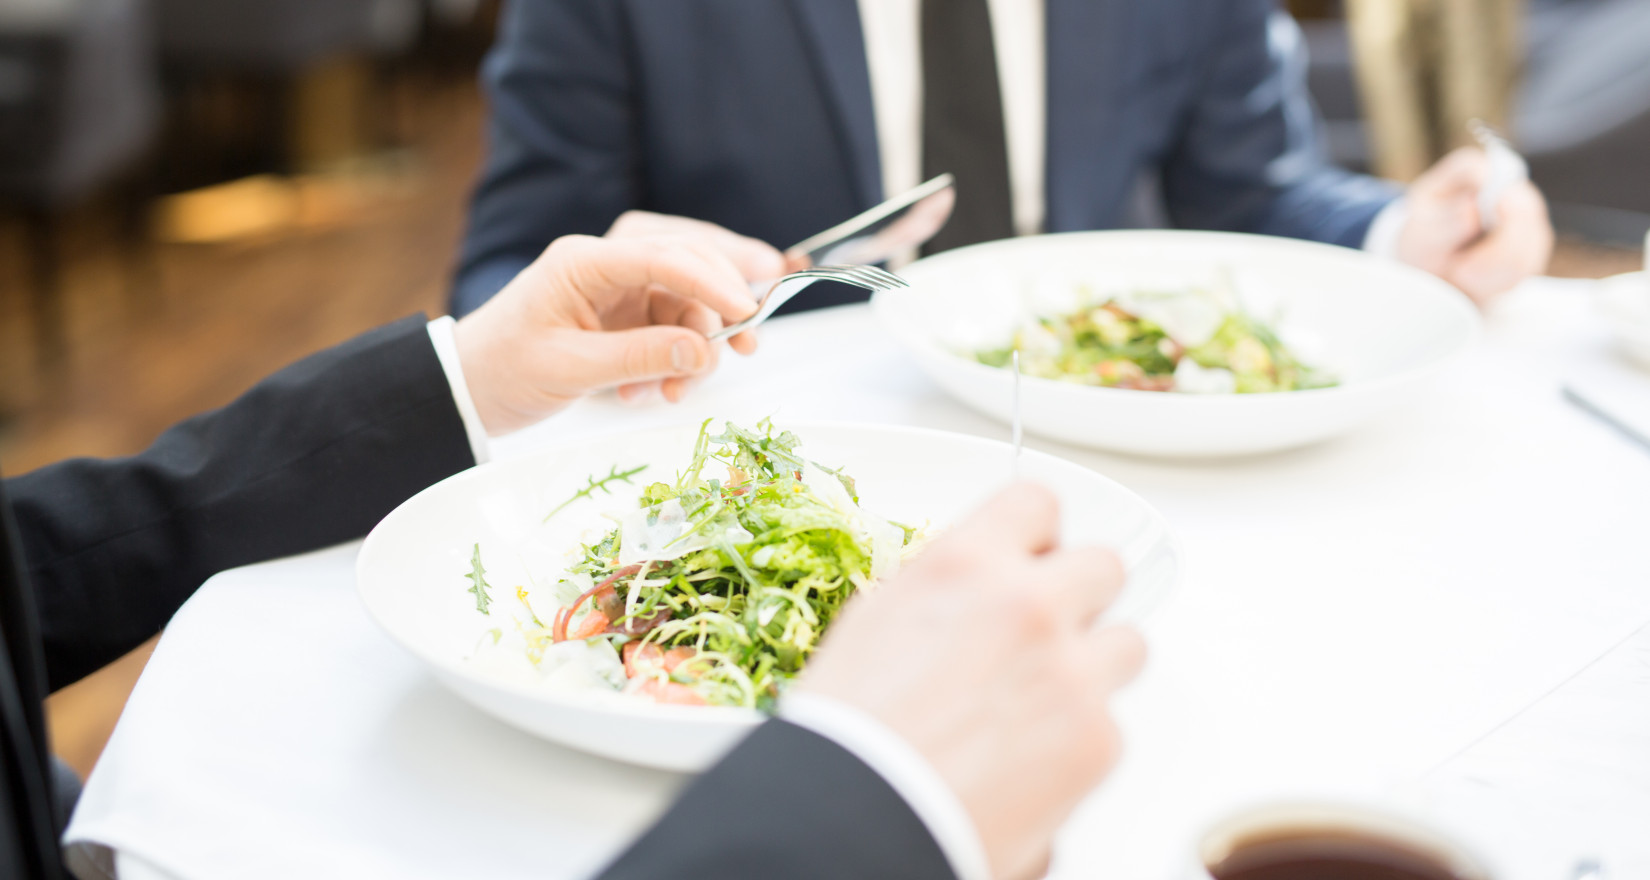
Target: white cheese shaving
1192,378
1190,317
659,533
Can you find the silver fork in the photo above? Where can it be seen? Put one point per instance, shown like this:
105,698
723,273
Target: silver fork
869,277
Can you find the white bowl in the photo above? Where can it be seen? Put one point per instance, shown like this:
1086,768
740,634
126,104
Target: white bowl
1383,328
1625,302
410,572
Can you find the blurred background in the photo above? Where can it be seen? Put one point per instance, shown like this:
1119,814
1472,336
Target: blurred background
194,193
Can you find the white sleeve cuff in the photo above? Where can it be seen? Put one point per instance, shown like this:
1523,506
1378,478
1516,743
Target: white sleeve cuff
1382,237
446,350
905,771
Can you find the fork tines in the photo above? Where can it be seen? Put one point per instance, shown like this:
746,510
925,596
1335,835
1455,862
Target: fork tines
869,277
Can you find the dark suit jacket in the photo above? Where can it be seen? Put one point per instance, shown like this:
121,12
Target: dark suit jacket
95,556
99,554
789,804
757,114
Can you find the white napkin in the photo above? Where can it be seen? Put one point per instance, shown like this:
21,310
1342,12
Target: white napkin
278,733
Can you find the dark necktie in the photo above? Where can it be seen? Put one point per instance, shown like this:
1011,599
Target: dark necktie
962,121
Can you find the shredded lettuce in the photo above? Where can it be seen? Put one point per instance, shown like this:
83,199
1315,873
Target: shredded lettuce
718,586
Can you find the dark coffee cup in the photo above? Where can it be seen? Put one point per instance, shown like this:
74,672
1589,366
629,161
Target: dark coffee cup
1330,841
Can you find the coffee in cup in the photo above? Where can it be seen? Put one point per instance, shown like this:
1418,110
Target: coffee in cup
1326,841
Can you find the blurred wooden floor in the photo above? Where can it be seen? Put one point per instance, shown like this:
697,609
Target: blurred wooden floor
373,247
379,245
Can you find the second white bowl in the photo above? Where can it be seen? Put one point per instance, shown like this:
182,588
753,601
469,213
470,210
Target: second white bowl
1382,327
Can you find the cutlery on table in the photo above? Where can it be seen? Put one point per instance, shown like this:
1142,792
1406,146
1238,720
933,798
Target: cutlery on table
868,277
1587,869
903,222
900,224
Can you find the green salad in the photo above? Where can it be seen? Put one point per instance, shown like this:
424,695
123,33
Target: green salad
1192,340
716,587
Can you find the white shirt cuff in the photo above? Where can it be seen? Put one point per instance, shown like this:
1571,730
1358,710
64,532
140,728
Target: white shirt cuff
1382,237
905,771
446,350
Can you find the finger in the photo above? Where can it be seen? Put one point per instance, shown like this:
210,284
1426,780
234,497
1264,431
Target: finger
674,389
591,361
672,309
795,262
607,271
755,259
1085,581
669,308
637,392
1114,656
1464,170
1025,517
1037,868
1519,247
744,343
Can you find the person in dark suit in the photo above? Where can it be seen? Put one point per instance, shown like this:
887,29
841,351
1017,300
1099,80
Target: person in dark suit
96,555
779,118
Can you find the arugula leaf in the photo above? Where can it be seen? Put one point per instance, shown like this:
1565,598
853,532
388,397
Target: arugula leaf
478,583
614,475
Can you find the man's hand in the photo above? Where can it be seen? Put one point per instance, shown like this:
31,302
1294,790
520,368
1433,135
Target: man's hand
595,313
757,260
983,655
1444,233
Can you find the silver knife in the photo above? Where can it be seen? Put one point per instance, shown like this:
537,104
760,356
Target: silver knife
902,222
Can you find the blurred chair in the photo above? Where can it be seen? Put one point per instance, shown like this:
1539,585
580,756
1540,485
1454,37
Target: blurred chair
79,107
263,50
278,36
1583,114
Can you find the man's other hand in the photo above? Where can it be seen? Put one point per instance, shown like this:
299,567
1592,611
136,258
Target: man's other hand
1444,233
983,654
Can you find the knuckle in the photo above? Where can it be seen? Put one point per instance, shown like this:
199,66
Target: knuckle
637,358
1105,741
1037,613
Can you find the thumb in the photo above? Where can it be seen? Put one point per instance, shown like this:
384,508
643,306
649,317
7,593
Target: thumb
594,360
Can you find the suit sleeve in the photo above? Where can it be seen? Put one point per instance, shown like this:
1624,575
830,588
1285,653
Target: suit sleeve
562,140
314,455
1250,157
786,803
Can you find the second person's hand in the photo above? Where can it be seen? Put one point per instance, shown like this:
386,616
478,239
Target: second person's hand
984,656
1445,235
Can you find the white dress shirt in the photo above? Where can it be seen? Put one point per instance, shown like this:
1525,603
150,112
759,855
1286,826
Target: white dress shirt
893,53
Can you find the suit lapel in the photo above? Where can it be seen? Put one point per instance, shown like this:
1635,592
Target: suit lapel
837,47
1087,55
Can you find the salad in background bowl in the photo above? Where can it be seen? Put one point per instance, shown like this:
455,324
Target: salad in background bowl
1339,335
648,597
1195,338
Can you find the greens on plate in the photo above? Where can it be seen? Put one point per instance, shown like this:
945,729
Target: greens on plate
1194,339
712,589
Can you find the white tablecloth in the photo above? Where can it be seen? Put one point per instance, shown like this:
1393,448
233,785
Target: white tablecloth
1439,611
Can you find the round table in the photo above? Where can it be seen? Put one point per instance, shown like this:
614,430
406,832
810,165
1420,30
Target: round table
1445,610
